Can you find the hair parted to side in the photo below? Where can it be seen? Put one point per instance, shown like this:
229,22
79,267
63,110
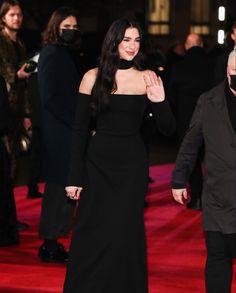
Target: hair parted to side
5,7
52,33
105,83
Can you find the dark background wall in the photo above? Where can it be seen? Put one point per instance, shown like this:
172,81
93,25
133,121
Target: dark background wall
96,15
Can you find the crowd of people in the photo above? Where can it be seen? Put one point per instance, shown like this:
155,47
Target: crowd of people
90,145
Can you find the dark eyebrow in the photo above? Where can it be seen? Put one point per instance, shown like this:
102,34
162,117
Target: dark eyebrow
138,38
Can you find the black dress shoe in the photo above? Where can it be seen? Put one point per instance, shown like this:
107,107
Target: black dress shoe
22,226
194,204
146,204
57,255
150,179
35,194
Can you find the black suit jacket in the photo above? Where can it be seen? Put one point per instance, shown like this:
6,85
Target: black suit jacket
211,123
58,86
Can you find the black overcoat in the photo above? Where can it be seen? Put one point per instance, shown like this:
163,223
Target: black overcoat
212,124
58,86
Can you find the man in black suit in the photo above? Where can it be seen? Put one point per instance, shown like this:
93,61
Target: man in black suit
58,86
190,78
214,123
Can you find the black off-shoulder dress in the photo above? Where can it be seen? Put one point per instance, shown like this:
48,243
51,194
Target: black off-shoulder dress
108,250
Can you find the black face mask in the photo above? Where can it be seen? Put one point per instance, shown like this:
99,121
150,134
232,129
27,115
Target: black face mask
233,82
69,36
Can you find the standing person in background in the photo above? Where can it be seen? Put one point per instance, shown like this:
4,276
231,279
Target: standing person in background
8,225
12,69
36,128
108,251
12,55
173,55
214,122
189,79
58,86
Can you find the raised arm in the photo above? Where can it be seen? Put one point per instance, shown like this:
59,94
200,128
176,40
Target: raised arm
160,107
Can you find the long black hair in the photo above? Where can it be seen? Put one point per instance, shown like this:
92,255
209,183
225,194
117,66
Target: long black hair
105,83
52,33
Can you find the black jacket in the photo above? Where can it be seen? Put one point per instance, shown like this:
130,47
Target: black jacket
211,123
58,86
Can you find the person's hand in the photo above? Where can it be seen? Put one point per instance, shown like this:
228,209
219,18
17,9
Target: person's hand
73,192
27,123
154,86
180,195
21,74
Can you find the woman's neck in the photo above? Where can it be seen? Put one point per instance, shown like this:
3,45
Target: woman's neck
125,64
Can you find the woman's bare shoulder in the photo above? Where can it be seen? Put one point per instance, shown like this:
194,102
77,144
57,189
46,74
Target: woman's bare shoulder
88,81
147,71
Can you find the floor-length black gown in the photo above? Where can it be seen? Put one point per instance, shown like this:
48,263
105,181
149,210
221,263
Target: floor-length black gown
108,251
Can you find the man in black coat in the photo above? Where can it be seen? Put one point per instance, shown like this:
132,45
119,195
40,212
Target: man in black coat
9,234
58,86
190,77
214,123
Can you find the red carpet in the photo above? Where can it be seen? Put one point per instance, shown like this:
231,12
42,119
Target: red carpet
176,248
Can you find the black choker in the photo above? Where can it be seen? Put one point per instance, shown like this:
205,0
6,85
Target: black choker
125,64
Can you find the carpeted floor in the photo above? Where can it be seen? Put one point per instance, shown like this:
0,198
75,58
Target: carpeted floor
176,249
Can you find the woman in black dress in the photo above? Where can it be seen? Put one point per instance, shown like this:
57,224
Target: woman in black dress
9,234
110,167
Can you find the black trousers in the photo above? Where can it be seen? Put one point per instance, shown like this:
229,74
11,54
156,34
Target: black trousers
56,213
218,273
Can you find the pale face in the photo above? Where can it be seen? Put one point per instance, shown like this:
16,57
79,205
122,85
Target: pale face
130,45
233,36
13,18
69,23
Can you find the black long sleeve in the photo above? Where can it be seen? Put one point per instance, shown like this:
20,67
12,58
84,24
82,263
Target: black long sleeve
189,148
164,118
79,141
